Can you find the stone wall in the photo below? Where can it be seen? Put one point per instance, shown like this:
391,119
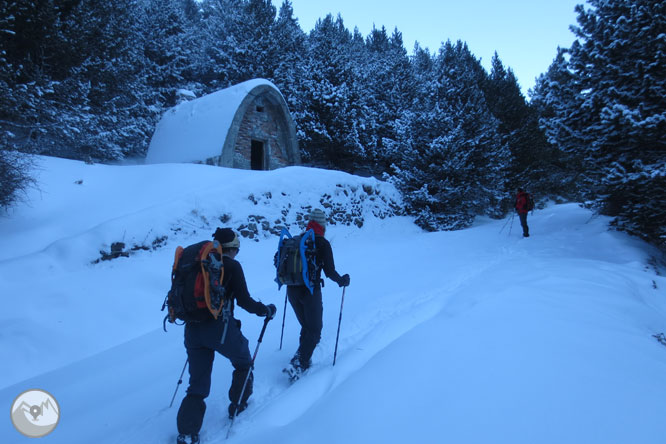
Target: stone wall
262,122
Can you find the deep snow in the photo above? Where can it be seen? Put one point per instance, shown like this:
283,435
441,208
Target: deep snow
472,336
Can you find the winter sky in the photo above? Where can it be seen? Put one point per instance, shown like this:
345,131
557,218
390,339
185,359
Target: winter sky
525,33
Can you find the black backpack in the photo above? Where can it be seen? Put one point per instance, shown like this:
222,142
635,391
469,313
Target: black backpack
197,293
295,260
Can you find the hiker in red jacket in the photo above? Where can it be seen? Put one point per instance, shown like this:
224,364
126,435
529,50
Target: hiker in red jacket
523,206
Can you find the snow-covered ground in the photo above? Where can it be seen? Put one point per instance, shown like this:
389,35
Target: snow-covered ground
473,336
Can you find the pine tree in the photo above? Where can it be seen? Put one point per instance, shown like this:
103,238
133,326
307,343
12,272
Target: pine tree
389,91
169,48
215,65
554,97
256,51
238,42
291,65
110,120
34,63
452,160
334,95
534,162
616,116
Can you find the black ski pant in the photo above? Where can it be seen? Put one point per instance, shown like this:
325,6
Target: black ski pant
309,310
202,340
523,223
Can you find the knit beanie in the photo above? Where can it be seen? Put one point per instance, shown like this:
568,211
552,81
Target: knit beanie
318,216
227,238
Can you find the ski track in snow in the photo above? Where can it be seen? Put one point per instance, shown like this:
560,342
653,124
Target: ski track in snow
389,322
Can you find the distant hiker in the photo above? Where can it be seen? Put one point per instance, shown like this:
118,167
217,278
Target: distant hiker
524,204
204,338
308,306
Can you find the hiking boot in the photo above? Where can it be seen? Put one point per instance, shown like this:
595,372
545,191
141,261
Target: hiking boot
232,409
188,439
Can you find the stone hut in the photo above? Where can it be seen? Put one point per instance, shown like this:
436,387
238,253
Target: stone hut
245,126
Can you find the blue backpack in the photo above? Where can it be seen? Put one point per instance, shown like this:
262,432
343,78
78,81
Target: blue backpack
295,260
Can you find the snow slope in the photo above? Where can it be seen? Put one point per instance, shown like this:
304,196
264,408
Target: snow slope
473,336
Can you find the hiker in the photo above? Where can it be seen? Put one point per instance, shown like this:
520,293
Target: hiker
308,306
524,204
203,339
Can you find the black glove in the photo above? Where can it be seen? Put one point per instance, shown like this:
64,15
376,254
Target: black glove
270,311
344,281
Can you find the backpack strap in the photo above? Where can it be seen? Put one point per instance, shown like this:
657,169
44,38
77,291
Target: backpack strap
310,234
170,316
278,256
179,253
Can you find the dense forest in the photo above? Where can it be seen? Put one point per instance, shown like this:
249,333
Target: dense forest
89,80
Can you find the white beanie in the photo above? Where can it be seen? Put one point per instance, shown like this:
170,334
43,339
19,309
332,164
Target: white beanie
318,216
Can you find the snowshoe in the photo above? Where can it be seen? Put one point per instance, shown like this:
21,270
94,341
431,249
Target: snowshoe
188,439
293,372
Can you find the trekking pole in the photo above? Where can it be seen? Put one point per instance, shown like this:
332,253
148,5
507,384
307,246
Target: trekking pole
180,381
284,315
511,226
337,336
247,378
504,226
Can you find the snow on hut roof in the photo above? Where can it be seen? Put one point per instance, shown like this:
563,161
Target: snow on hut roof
196,130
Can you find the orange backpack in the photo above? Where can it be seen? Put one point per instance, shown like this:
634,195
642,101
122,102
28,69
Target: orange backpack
196,293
